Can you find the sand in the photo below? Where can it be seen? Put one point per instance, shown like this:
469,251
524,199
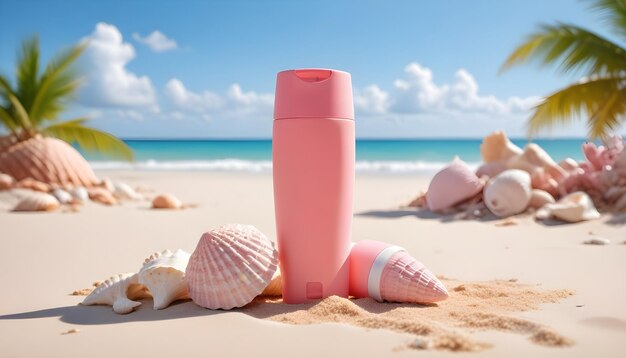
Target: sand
46,257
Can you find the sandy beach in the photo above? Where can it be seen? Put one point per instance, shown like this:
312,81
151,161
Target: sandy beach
46,256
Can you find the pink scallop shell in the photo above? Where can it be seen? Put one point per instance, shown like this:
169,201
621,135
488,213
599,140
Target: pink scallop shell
404,279
230,266
452,185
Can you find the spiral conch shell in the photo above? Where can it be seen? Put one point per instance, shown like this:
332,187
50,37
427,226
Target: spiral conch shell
230,266
574,207
163,274
118,291
508,193
37,201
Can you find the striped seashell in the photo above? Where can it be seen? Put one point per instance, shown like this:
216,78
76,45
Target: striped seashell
48,160
6,181
37,201
166,201
230,266
163,273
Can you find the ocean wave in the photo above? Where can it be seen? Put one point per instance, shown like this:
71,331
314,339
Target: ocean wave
240,165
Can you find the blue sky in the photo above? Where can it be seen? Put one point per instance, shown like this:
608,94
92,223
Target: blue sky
207,69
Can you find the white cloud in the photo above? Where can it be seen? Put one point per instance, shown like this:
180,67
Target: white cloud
156,41
234,102
371,100
109,83
176,91
418,93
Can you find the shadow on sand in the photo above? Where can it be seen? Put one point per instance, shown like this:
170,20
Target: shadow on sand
421,213
260,308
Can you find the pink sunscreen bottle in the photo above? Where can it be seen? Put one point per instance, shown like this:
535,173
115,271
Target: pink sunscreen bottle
313,149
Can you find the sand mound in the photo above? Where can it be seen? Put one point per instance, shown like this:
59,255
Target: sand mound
445,326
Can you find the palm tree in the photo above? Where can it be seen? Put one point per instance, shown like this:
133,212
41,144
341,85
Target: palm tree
33,106
29,111
601,92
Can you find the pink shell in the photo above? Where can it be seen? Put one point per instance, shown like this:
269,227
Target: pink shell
404,279
230,266
48,160
452,185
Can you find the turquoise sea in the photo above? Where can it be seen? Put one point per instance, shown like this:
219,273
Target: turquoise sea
394,156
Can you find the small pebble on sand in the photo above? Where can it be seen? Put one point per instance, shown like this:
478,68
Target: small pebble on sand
71,331
597,241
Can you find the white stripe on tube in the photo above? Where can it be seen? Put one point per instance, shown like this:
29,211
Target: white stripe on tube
373,280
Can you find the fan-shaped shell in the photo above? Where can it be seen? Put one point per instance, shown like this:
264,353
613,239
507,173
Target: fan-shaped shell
230,266
37,201
48,160
452,185
508,193
163,273
574,207
166,201
6,181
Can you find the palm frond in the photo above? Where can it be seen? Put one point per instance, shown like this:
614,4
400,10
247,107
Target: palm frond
575,47
614,11
8,120
28,72
90,139
602,99
58,83
20,114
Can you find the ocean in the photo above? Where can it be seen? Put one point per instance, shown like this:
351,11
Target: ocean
384,156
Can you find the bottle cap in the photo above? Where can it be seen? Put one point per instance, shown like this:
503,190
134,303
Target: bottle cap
313,93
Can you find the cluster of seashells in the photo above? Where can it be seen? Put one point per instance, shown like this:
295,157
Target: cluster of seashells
44,197
230,266
513,179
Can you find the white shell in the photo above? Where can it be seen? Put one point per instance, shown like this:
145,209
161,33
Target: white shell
118,291
6,181
124,191
539,198
163,274
62,196
79,193
508,193
166,201
574,207
37,201
230,266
